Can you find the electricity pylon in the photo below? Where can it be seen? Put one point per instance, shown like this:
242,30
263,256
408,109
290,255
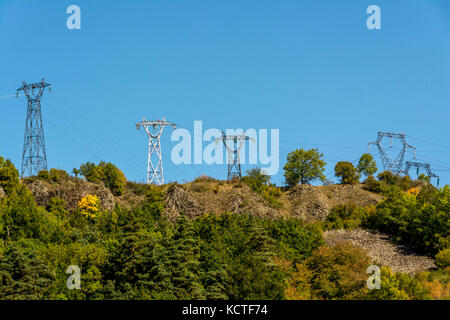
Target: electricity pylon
154,130
419,165
233,149
396,166
34,158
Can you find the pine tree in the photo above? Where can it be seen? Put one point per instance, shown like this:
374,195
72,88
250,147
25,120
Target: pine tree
184,254
23,276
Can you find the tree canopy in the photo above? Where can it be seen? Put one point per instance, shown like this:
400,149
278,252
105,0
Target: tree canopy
304,166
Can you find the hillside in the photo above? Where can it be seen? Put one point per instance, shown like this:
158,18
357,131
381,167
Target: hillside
309,203
305,202
212,239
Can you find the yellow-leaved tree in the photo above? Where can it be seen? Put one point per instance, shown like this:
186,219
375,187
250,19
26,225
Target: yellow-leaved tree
89,206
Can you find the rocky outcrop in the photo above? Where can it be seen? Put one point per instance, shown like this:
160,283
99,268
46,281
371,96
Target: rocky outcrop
179,200
70,191
314,203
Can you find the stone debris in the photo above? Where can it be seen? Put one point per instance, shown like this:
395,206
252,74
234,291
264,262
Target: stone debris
382,250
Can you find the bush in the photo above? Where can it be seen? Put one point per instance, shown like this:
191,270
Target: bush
443,258
412,221
58,175
398,286
338,272
21,218
104,172
9,176
347,216
114,179
44,175
137,188
204,178
373,185
199,187
259,182
296,240
57,206
346,172
54,175
387,177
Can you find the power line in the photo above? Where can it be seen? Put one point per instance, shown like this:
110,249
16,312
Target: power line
110,138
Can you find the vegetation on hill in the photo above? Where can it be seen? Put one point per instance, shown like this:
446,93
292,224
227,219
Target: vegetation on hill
137,252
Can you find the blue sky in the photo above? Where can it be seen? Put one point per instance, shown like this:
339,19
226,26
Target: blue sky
309,68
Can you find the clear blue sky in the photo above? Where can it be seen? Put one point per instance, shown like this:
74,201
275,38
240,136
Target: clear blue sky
309,68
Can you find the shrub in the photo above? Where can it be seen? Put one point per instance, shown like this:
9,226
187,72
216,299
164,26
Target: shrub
259,182
104,172
373,185
204,178
387,177
58,175
199,187
9,176
347,216
398,286
296,240
346,172
338,272
57,206
443,258
44,175
114,179
413,221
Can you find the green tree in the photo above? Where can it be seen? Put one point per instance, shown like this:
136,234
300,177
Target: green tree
76,172
57,206
346,172
22,275
367,165
295,240
58,175
104,172
443,258
92,172
304,166
338,272
184,255
114,179
20,217
388,178
9,176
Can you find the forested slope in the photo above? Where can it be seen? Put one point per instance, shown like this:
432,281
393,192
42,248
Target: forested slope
210,239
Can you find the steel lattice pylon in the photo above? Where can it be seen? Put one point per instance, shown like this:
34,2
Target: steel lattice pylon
34,158
154,130
419,165
234,162
396,166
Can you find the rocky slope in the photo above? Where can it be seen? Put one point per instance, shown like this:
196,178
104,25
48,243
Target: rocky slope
382,250
309,203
